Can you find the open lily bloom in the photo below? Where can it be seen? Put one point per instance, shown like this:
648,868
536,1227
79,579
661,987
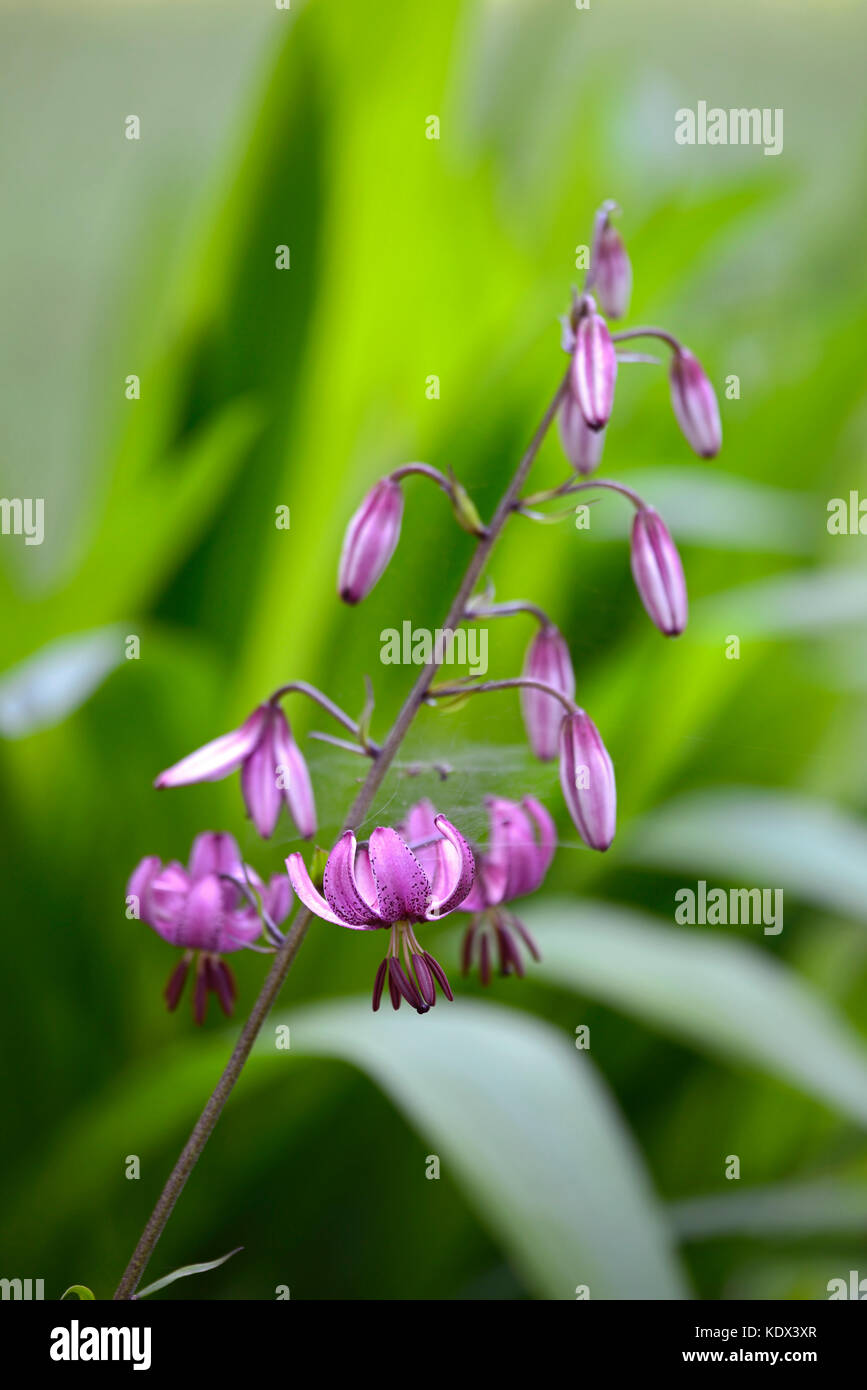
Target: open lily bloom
382,883
204,909
273,770
522,839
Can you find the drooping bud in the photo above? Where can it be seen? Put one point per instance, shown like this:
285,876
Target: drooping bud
594,369
370,540
658,572
587,779
612,272
547,660
581,445
695,404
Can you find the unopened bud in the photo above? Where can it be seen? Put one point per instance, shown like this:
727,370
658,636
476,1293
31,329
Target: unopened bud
581,445
370,540
594,370
695,404
611,272
587,780
658,572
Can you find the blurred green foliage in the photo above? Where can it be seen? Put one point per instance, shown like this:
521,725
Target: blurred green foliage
262,388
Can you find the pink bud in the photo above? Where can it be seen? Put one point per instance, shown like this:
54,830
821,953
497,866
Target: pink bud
581,445
587,779
695,404
612,273
547,660
370,539
658,572
594,370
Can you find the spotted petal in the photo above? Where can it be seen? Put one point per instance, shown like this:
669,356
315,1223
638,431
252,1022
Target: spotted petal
342,891
403,891
310,896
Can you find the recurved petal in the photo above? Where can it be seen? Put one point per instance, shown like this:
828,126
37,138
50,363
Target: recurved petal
218,758
458,870
403,892
310,896
342,890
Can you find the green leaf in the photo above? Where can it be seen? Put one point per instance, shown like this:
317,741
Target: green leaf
522,1121
42,690
80,1291
805,846
728,996
185,1271
789,605
782,1209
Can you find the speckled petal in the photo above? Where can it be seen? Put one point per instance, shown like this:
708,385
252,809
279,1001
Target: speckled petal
402,888
341,889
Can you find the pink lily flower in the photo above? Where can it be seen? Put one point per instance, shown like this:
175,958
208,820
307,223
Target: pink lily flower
521,842
273,770
203,909
382,883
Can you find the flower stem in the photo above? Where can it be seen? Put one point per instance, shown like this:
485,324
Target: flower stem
443,692
287,952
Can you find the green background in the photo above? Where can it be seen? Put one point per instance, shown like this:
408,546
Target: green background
262,388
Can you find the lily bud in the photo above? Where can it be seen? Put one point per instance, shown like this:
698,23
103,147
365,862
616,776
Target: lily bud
594,370
587,779
695,404
370,540
547,660
658,572
581,445
612,272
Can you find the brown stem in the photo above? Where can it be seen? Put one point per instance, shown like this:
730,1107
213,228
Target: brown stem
284,957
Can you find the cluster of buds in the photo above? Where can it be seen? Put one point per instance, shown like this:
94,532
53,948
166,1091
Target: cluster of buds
588,403
404,879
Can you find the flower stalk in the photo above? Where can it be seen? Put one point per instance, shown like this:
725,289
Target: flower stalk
286,953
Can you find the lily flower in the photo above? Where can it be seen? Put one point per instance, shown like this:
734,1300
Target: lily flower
521,843
382,883
273,770
204,910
